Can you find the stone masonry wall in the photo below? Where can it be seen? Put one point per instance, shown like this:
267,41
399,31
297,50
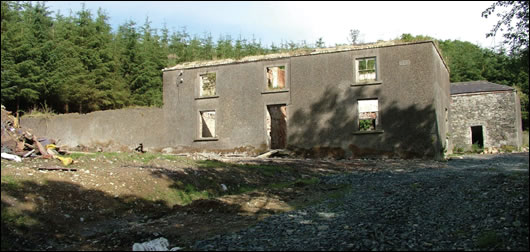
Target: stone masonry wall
495,111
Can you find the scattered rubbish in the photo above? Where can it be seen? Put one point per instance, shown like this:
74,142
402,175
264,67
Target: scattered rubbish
56,169
19,142
159,244
268,154
11,157
140,148
65,161
50,149
29,153
276,153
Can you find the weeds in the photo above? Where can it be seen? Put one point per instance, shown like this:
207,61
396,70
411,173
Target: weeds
10,183
488,239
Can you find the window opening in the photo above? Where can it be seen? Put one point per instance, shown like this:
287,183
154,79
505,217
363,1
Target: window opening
207,84
368,114
207,124
366,70
275,77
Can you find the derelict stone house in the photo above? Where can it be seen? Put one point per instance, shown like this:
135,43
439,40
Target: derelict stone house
485,114
383,99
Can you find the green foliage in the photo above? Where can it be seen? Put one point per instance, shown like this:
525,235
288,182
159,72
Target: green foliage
458,150
78,64
470,62
366,124
508,148
516,33
475,148
488,239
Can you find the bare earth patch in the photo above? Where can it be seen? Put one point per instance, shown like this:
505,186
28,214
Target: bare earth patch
114,200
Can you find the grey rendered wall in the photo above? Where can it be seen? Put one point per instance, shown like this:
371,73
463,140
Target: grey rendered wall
321,103
497,112
324,102
240,106
442,102
126,127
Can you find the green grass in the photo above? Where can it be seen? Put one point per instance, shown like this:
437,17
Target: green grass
212,164
13,217
298,182
180,197
267,170
415,186
10,183
488,239
508,148
127,157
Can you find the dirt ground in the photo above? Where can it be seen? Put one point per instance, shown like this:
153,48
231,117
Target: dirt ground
113,200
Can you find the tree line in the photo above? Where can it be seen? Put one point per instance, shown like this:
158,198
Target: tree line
76,63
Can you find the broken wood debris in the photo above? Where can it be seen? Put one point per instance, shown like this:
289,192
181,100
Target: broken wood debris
57,169
19,142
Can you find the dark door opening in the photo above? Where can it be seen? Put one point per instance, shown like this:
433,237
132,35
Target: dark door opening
277,126
477,136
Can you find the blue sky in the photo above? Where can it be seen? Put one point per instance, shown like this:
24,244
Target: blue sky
297,21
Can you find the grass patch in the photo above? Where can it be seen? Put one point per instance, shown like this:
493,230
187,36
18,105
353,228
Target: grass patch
78,156
212,164
12,217
415,186
488,239
280,185
318,197
266,170
126,157
244,189
10,183
180,197
298,182
508,148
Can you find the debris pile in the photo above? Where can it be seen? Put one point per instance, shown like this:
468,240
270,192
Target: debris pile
159,244
19,142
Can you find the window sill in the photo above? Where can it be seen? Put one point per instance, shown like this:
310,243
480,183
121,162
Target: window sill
366,83
206,139
206,97
368,132
275,91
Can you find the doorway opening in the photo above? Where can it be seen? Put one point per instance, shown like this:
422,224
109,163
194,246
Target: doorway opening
477,136
277,126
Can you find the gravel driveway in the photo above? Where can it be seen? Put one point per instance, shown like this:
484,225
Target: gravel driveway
479,202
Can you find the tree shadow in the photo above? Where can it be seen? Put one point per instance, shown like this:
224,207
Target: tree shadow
329,128
61,215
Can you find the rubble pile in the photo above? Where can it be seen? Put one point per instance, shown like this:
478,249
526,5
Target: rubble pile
19,142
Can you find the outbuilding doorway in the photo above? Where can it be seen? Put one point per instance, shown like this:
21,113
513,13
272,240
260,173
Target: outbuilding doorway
277,126
477,136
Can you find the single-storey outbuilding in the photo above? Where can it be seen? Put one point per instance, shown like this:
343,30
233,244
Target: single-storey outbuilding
484,114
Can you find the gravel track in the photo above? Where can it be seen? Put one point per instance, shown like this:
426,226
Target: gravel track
479,202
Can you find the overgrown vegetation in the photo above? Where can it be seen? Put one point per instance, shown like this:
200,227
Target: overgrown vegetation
488,239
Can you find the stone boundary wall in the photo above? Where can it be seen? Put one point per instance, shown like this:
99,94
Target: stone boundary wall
109,129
